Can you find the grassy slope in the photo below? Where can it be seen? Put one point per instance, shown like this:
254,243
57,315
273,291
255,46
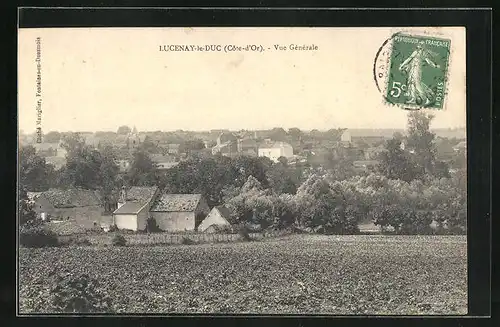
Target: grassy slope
296,274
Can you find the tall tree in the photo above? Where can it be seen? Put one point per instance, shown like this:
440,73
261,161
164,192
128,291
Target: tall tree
110,180
83,163
33,171
420,140
143,170
395,163
295,133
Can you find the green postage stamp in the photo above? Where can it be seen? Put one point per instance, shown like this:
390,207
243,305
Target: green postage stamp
417,71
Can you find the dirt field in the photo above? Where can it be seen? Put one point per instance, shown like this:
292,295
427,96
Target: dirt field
364,274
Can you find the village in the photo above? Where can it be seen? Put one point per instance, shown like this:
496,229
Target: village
80,209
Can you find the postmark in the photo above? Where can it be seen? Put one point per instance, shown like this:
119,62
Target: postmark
411,71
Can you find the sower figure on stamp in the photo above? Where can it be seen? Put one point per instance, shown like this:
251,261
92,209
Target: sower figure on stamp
417,91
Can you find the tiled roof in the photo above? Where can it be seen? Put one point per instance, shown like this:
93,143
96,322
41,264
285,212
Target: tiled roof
72,198
66,227
162,158
141,194
274,145
367,132
45,146
176,202
129,207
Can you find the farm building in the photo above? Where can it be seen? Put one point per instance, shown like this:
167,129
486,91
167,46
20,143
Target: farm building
133,209
179,212
67,204
275,150
218,216
41,206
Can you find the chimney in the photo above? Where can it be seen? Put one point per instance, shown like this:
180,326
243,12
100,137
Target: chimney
123,197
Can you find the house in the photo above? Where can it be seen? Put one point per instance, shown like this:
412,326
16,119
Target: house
50,149
91,140
179,212
41,206
133,208
164,162
218,216
172,148
368,136
275,150
247,146
67,204
461,146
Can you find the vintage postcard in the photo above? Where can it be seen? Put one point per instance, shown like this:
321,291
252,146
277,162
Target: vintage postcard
242,170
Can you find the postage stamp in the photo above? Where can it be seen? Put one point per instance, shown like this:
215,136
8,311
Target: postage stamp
417,72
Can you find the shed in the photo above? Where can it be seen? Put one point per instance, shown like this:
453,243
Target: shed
68,203
179,212
218,216
133,210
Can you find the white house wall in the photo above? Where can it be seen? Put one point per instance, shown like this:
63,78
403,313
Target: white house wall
126,221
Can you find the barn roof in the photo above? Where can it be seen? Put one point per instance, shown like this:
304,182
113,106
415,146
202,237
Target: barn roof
72,198
176,202
129,207
141,194
274,145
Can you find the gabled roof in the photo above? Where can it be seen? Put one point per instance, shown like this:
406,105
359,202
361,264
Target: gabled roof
141,194
73,197
224,212
176,202
129,207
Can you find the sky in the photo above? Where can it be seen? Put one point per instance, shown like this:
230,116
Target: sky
96,79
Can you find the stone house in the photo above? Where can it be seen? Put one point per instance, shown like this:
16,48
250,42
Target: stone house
133,207
59,204
179,212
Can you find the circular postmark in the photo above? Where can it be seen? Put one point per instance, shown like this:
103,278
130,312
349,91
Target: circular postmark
410,70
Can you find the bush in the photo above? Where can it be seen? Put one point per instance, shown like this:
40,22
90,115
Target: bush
187,241
78,294
152,226
113,228
77,241
119,240
244,233
37,237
